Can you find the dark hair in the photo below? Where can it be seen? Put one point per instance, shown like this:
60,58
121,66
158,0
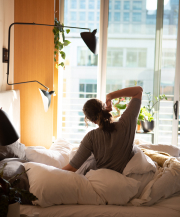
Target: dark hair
94,110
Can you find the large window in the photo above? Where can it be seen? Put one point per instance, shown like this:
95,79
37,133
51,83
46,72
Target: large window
80,74
130,54
168,62
130,59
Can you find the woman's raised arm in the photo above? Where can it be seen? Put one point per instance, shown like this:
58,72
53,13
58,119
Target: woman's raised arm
134,92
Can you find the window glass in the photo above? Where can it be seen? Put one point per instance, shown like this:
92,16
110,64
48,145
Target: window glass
85,57
98,4
117,16
110,16
117,5
168,63
82,16
126,5
97,16
151,19
91,16
73,4
73,15
82,4
91,4
80,74
131,61
110,4
115,57
137,5
125,16
136,17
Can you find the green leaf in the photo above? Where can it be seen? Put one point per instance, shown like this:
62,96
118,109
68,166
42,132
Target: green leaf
66,42
61,64
67,31
54,59
63,55
121,106
60,45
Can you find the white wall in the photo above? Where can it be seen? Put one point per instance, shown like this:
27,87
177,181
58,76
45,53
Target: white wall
6,18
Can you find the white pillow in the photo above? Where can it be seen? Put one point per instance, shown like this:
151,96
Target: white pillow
54,186
57,155
139,163
114,187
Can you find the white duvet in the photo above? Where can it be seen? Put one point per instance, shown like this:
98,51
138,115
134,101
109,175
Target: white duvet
142,183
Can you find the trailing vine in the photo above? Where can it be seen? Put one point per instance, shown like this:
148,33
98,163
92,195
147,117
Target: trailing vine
58,46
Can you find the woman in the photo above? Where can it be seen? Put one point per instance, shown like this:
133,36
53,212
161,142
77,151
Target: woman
111,143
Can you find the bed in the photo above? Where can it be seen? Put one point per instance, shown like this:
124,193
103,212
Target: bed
163,207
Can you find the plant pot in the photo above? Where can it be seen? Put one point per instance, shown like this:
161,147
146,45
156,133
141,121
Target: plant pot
14,210
138,127
147,126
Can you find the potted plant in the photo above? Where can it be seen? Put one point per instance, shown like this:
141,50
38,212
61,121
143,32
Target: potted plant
60,44
10,196
147,112
146,120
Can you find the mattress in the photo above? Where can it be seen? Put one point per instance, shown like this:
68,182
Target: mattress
165,208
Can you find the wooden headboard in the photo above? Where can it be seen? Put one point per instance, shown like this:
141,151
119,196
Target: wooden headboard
10,103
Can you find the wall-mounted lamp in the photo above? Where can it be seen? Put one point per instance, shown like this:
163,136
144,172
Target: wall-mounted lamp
88,37
8,133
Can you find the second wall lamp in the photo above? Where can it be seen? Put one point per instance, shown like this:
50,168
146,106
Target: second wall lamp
88,37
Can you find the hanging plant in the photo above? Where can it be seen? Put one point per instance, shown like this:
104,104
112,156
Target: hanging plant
58,45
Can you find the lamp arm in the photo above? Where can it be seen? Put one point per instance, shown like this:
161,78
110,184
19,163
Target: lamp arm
27,82
36,24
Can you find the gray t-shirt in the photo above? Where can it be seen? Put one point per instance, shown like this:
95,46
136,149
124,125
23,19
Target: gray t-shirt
111,151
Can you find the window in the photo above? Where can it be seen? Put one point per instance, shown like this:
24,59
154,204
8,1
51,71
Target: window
85,57
110,4
136,17
168,58
82,4
91,4
137,5
98,4
82,16
117,16
115,57
136,57
117,5
73,4
110,16
73,15
87,89
91,16
130,60
125,16
151,19
126,5
97,16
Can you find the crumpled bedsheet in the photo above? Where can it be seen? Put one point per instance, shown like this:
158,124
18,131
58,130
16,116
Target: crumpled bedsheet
147,184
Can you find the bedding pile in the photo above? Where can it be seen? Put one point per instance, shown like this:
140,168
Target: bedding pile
143,182
146,179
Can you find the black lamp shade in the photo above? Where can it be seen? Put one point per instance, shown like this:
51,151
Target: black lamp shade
90,40
8,134
46,97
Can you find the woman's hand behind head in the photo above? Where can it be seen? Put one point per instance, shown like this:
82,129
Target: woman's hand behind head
108,105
